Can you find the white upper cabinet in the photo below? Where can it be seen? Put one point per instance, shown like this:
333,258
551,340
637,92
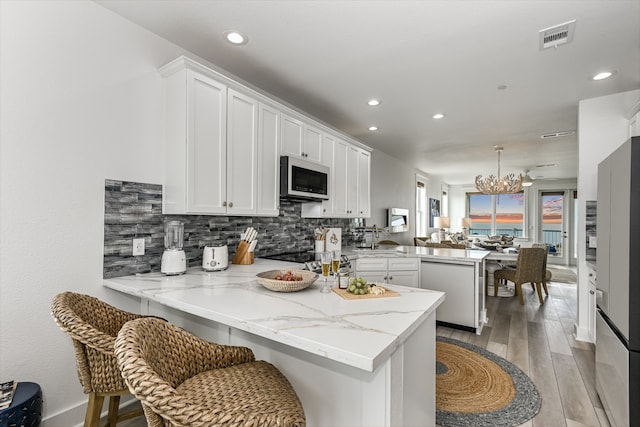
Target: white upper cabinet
242,154
301,139
195,108
223,147
213,159
268,161
364,184
350,183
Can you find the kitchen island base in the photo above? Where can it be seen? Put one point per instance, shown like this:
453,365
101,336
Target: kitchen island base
463,282
399,392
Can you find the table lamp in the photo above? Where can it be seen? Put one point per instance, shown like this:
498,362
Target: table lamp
441,222
465,224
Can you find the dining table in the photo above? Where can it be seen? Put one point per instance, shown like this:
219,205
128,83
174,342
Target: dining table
495,261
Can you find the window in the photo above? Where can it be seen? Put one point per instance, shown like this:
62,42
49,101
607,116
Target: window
480,212
500,214
422,214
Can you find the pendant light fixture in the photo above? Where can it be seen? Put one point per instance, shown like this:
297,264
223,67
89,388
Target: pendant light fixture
499,185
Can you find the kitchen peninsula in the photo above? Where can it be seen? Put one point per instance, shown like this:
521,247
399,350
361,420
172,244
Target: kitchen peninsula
459,273
353,363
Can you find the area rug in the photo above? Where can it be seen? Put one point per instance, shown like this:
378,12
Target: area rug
475,387
562,274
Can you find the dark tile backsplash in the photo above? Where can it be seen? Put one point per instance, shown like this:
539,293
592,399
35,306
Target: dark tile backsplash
133,209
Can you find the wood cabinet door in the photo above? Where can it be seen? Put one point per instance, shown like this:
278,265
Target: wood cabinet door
364,186
268,161
340,179
242,154
312,146
404,278
352,181
292,136
206,144
328,147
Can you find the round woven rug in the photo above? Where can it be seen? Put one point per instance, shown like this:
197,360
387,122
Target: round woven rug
475,387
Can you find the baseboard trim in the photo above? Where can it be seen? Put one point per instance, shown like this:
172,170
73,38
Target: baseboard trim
74,416
582,334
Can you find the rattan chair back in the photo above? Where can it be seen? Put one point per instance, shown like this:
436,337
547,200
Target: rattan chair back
93,326
529,267
185,381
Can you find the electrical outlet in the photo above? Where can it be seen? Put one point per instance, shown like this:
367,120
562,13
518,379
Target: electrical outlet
138,246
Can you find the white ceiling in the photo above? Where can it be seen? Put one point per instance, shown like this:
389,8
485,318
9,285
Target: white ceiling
329,57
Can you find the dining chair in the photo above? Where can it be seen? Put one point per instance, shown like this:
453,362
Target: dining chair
185,381
547,273
93,326
529,269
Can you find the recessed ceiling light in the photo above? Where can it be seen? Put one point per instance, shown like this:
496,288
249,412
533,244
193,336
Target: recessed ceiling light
603,75
438,116
373,102
235,37
372,128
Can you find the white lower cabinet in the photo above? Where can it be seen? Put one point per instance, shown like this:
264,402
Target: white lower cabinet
404,271
458,281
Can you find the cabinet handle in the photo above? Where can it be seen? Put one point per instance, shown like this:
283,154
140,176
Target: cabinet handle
230,204
390,277
591,292
224,203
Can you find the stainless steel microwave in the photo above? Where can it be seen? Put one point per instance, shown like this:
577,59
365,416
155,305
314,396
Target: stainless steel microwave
302,180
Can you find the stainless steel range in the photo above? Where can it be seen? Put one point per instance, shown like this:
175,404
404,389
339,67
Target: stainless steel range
310,259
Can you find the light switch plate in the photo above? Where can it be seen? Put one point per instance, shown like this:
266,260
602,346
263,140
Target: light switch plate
138,246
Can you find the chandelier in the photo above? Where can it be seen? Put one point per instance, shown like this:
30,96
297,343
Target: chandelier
499,185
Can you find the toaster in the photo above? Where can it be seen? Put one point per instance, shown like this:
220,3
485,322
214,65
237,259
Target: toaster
215,258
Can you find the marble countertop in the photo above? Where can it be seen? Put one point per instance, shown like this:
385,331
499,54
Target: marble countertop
430,254
360,333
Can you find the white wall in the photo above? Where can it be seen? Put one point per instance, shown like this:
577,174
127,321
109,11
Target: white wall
81,101
393,186
603,125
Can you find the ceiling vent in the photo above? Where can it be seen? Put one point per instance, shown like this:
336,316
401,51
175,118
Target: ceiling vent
557,35
557,134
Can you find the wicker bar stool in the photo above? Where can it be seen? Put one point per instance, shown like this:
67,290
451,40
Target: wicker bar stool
529,268
93,326
184,381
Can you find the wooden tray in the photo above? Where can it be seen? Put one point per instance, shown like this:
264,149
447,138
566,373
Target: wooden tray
348,295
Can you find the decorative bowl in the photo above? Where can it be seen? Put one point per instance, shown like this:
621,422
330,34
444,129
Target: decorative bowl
269,281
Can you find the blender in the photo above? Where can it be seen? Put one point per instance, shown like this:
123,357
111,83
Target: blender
174,260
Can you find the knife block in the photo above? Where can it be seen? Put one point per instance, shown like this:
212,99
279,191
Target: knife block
242,255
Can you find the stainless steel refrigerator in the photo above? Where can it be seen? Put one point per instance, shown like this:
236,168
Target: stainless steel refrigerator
618,282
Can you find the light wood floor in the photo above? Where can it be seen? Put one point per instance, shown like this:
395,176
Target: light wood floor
539,340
